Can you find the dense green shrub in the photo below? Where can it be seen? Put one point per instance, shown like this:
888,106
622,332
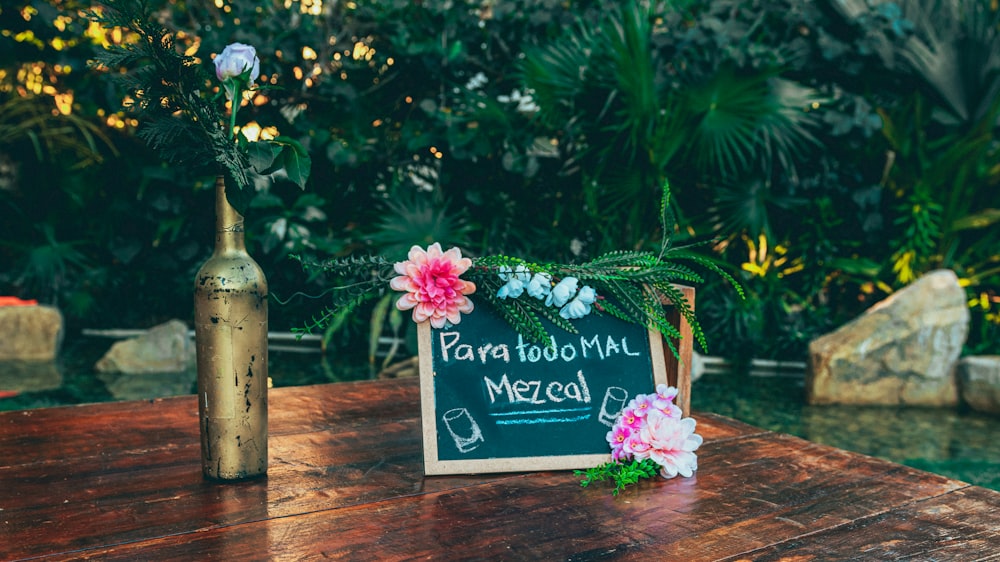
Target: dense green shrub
831,150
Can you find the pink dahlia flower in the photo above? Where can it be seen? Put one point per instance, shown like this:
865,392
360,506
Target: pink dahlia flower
431,285
672,442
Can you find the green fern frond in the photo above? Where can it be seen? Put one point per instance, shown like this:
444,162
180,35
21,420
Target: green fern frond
714,267
550,314
315,323
659,273
622,259
519,318
609,307
673,346
163,80
633,303
676,298
493,264
667,219
629,299
354,267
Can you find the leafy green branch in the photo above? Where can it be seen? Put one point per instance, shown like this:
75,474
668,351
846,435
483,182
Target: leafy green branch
182,119
362,279
162,84
621,473
633,286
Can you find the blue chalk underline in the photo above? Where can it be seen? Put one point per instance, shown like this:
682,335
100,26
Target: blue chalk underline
531,412
522,421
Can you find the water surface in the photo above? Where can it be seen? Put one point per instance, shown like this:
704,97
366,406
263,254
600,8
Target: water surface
952,442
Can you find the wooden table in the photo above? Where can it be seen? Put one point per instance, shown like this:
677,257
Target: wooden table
122,481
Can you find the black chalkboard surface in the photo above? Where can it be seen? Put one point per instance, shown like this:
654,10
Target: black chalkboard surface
493,402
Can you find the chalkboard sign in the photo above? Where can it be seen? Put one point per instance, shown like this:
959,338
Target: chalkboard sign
492,401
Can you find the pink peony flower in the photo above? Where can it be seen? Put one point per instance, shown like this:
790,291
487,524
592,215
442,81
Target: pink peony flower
672,442
431,285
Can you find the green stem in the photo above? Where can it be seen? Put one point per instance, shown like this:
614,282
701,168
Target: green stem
234,106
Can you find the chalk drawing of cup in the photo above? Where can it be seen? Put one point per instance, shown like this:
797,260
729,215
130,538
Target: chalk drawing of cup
613,404
463,429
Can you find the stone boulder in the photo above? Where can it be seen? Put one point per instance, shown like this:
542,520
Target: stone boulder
901,351
166,348
30,333
979,382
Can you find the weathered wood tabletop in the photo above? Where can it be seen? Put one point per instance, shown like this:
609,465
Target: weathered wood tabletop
122,481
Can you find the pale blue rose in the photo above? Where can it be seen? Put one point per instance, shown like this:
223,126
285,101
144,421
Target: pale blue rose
540,285
579,306
235,60
562,292
516,279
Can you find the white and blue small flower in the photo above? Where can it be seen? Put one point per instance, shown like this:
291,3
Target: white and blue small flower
540,285
579,306
562,292
517,279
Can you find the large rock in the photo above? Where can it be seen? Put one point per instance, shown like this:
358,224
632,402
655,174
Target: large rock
979,382
163,349
902,351
30,333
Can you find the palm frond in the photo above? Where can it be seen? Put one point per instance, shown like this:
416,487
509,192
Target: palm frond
416,220
743,115
630,53
559,74
955,53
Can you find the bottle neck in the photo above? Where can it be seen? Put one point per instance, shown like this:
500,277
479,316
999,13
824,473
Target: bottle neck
228,222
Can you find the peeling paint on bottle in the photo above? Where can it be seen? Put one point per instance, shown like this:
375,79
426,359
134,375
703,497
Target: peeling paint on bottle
231,338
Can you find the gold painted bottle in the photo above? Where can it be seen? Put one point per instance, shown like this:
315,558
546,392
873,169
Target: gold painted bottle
230,303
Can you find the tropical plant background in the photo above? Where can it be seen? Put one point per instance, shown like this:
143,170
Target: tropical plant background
825,152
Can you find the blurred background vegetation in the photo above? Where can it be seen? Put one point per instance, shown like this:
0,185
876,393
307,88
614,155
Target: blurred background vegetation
827,151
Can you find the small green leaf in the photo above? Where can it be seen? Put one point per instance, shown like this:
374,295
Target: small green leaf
295,160
455,50
237,197
262,156
297,165
623,473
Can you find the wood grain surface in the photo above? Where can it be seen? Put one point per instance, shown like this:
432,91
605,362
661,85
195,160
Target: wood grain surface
122,481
